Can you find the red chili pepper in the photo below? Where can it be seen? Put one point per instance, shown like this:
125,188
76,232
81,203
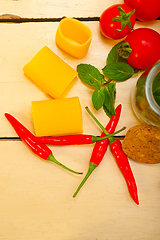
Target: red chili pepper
39,149
67,140
78,139
123,164
100,147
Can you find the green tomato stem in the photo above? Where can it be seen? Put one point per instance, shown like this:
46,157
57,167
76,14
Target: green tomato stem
124,50
124,18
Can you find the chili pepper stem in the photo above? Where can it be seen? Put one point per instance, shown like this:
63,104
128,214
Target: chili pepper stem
52,158
110,136
92,166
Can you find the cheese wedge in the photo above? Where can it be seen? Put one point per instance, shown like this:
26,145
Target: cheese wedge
50,72
57,117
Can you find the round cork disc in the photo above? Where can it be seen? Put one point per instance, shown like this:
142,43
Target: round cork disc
142,143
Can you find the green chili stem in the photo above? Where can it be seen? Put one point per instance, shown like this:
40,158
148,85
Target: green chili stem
92,166
101,126
96,139
52,158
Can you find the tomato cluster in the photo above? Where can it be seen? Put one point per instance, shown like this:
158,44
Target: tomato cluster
118,21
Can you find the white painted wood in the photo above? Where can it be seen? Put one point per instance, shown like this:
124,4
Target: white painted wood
54,9
20,42
36,198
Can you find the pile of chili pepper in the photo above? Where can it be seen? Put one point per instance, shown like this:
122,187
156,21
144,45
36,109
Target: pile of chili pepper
100,147
37,145
120,156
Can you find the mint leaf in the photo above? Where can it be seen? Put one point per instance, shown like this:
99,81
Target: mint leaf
156,89
113,56
90,75
108,113
110,96
118,71
98,98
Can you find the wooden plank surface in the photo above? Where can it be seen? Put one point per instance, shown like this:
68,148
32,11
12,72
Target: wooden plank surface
54,9
20,42
36,196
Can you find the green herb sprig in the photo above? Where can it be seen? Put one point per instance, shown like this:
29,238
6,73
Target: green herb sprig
104,93
117,67
116,70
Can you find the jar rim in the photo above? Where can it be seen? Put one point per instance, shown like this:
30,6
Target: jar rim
148,88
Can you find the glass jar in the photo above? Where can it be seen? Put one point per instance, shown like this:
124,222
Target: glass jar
143,103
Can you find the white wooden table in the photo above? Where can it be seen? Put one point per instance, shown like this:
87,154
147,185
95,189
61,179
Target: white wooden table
36,196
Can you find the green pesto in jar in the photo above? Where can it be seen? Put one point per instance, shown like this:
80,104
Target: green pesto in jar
146,96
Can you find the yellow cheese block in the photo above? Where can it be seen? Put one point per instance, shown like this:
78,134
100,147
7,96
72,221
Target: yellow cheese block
57,117
50,72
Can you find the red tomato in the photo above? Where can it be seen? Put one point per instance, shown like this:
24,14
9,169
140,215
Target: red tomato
145,45
109,27
146,10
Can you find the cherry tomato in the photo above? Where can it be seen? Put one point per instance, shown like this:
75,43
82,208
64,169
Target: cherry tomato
146,10
117,21
145,45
